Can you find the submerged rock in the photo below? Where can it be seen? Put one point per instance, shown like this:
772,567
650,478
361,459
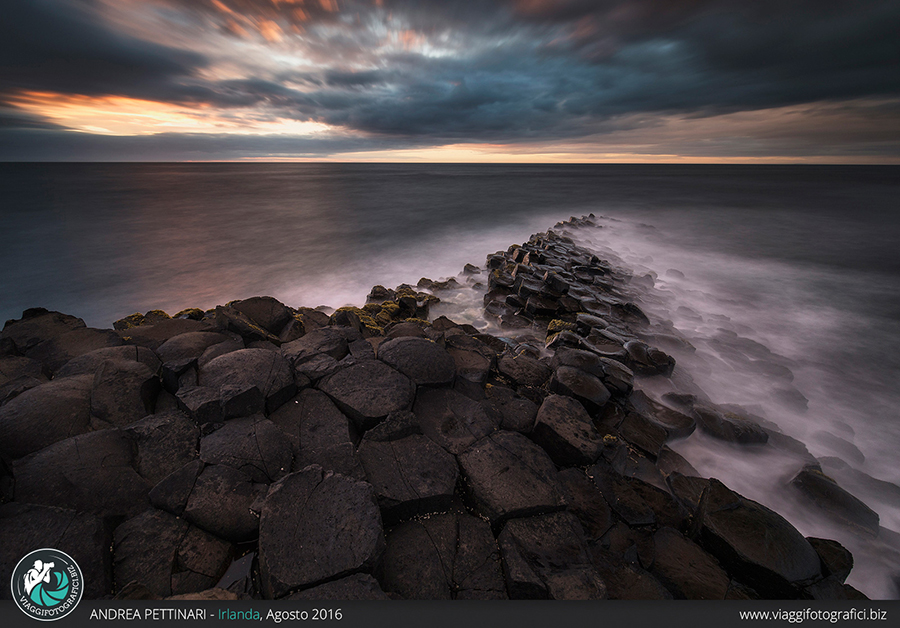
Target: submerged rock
834,501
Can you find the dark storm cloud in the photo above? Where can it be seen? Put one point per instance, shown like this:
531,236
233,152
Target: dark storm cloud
62,46
477,70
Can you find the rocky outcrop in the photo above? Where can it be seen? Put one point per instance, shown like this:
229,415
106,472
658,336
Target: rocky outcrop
262,451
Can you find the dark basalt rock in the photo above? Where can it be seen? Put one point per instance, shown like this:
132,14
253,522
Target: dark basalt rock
396,426
411,476
360,586
44,415
688,490
586,502
316,527
229,319
88,473
514,413
252,444
88,363
167,555
202,403
83,536
328,340
565,431
165,443
647,360
122,393
221,501
319,434
668,461
451,419
685,569
586,388
523,371
675,423
442,557
189,345
316,367
153,336
267,312
837,561
624,500
643,433
545,557
368,391
749,539
625,581
507,476
243,370
38,325
729,426
834,501
13,367
423,361
55,352
172,492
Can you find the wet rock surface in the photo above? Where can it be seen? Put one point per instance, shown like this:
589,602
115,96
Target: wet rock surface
367,453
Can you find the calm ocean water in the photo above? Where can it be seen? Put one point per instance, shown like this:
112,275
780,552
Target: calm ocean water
804,261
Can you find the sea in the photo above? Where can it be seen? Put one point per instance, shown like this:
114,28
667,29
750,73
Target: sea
783,281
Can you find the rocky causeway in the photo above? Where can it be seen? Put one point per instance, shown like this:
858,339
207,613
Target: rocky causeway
258,450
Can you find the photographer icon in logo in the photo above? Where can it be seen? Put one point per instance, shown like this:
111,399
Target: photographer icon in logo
47,584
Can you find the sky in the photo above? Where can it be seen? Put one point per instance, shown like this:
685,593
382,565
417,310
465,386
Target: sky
708,81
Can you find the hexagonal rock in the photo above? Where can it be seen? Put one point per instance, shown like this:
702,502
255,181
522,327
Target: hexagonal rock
328,340
421,360
220,503
55,352
368,391
45,414
515,413
565,431
545,557
267,371
586,502
252,444
451,419
123,392
15,366
319,433
189,345
676,424
411,476
267,312
450,556
648,360
153,336
756,544
167,555
522,370
173,491
623,499
89,473
83,536
38,325
88,363
685,569
507,475
165,443
360,586
584,387
316,527
643,433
